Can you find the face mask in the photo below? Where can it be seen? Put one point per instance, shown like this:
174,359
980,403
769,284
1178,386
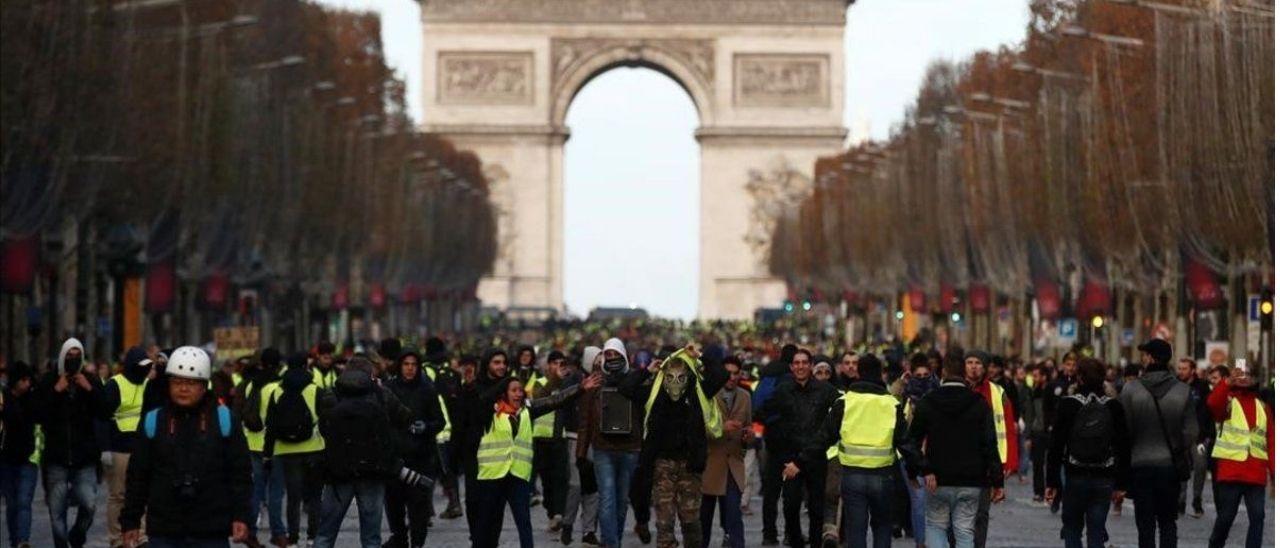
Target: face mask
71,366
615,365
674,380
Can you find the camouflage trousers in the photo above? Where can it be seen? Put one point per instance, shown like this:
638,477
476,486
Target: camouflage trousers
677,494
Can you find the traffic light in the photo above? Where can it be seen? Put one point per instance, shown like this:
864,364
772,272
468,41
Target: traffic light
808,306
1097,322
955,317
899,315
789,306
1266,309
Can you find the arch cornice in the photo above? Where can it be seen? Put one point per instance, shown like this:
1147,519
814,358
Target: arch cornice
575,61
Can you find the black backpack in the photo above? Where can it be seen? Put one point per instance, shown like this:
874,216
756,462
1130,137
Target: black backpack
1089,442
357,439
291,419
248,405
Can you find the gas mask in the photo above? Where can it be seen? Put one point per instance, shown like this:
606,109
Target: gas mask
675,377
613,366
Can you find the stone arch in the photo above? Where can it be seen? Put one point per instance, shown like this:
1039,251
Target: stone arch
575,62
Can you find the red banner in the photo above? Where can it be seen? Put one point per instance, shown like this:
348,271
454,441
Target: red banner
1095,298
161,287
946,298
915,296
1202,284
979,298
339,300
1048,299
18,260
377,295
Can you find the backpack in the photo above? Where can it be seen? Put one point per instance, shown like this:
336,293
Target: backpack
1089,441
357,439
153,417
249,405
290,420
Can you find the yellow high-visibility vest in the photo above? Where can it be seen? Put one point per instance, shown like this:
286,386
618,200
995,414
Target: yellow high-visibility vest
257,440
997,411
236,379
313,444
834,450
866,431
544,426
1236,441
323,379
447,432
38,451
129,412
710,412
502,452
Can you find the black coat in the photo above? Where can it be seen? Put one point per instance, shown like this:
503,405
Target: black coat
662,430
188,449
19,439
69,421
801,411
955,424
419,395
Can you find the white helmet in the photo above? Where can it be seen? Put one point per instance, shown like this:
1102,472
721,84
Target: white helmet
189,362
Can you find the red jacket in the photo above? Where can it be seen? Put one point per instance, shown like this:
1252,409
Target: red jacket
1252,470
1010,427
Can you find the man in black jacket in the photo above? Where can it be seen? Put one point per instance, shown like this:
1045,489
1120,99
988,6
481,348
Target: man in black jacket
952,444
18,458
123,396
416,445
189,472
801,404
67,404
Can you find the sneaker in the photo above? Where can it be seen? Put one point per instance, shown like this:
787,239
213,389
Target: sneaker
830,541
535,501
554,524
1057,505
642,531
746,511
1037,499
1197,509
566,535
590,539
451,513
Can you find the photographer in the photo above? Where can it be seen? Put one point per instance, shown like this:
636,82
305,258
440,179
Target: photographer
416,444
190,471
68,403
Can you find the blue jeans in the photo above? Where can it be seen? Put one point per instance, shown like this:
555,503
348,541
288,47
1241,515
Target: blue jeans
1085,501
954,507
613,477
868,501
336,499
18,486
268,487
1227,497
917,495
173,542
730,514
81,484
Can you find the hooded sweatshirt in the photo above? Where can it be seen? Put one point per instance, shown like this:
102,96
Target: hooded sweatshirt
134,373
1252,470
952,436
1177,410
67,417
629,384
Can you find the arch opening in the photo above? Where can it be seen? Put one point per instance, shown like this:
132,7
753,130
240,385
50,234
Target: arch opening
631,192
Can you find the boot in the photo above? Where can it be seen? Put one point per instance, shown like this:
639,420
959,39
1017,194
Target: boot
691,532
566,535
642,531
252,542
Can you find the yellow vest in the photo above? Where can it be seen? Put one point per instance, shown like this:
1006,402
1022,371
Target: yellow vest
256,439
997,411
323,379
834,450
544,426
1236,441
315,443
39,448
130,409
236,379
502,453
447,431
710,412
866,432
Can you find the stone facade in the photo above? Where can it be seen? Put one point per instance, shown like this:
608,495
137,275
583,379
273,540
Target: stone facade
766,77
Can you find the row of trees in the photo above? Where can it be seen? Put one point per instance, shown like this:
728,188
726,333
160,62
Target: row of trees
1120,148
218,145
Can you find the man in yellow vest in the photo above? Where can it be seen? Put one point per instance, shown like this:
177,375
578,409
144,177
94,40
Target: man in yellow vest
1006,425
323,373
437,368
293,440
867,426
550,449
123,396
1243,454
679,408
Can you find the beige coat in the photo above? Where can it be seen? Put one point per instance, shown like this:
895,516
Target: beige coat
724,454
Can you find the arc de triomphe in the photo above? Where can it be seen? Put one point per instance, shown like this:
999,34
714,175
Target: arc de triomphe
766,77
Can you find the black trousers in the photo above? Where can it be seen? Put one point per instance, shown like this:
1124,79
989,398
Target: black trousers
551,464
302,485
407,506
808,487
1039,448
641,493
771,489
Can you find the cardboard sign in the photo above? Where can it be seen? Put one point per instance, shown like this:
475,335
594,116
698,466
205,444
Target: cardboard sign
234,342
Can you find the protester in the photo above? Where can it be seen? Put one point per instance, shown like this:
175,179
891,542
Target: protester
123,397
581,492
437,368
323,371
1243,454
922,382
415,445
471,425
868,426
293,442
952,445
19,452
611,426
189,471
1186,372
268,482
976,365
640,495
550,452
725,472
67,403
801,404
1035,417
771,376
1091,448
1161,417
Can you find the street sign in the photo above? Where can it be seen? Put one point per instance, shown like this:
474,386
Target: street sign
234,342
1255,308
1067,331
1126,337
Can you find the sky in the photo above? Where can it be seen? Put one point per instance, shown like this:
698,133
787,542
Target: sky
642,154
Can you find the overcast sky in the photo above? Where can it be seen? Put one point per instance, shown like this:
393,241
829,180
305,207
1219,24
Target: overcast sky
644,155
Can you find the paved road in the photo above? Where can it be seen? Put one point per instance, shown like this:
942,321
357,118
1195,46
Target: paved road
1016,523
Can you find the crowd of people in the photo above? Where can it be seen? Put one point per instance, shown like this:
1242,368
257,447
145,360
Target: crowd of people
866,445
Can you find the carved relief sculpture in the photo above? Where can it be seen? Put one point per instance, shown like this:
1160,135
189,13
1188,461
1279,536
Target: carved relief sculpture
781,80
698,55
489,78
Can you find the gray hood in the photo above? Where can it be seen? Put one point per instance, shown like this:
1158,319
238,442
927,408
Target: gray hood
66,347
